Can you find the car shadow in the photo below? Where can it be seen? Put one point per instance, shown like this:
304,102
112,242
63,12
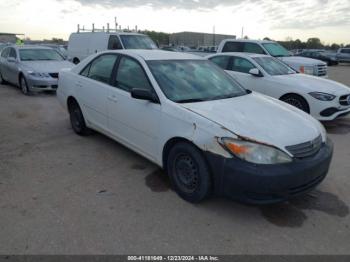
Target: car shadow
339,126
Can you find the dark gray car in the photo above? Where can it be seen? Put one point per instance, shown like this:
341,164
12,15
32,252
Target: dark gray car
32,68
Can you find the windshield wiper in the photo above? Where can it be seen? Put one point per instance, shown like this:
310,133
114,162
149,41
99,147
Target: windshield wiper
190,100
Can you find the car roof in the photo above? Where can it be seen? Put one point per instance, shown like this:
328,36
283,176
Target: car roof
240,54
149,55
31,47
108,33
249,41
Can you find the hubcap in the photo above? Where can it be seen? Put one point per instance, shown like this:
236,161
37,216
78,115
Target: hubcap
295,102
23,85
75,119
186,173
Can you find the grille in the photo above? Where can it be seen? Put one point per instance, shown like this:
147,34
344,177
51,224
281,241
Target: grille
54,75
344,100
306,149
321,70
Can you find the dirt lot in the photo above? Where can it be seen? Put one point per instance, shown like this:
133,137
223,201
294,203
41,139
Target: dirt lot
63,194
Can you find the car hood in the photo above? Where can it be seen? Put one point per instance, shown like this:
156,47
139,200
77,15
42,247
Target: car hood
308,83
302,61
260,118
47,66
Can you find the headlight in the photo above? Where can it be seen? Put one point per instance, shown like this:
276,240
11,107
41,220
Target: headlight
254,152
309,70
36,74
322,96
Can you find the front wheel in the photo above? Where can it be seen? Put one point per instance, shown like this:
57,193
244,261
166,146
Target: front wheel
77,120
24,85
2,81
189,173
297,101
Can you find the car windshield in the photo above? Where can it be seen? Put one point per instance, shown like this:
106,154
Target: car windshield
137,42
39,55
276,50
186,81
273,66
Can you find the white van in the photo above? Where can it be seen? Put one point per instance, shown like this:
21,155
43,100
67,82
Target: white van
81,45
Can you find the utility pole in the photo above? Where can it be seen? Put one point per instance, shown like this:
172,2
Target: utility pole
242,32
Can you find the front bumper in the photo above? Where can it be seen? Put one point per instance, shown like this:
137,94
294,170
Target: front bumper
42,84
266,184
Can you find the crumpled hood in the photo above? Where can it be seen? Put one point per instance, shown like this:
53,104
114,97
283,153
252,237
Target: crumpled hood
260,118
47,66
302,61
309,83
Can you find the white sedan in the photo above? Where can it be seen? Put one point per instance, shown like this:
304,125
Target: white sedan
324,99
192,119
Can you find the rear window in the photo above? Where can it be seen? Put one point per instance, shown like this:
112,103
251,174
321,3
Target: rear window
233,47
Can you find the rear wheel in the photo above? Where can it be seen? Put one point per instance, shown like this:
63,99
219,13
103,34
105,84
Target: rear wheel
297,101
77,120
23,85
189,172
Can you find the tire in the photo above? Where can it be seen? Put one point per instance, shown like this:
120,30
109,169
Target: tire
189,173
24,85
77,120
297,101
2,81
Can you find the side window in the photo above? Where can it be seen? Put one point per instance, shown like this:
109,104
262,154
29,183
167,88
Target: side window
101,68
5,52
131,75
13,53
222,61
86,70
233,47
253,48
241,65
114,43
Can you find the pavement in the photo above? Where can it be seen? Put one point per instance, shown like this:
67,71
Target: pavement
65,194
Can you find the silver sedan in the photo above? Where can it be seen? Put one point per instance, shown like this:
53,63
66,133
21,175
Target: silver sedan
32,68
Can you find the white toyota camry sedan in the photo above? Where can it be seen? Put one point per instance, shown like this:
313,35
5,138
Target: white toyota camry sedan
322,98
191,118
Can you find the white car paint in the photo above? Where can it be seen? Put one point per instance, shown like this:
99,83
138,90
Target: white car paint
84,44
146,127
308,65
300,84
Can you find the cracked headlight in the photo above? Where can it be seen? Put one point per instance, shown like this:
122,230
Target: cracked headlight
254,152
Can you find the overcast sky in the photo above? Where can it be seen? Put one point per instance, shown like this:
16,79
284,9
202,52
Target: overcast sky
278,19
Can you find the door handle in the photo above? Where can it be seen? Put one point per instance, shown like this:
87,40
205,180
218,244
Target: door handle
113,98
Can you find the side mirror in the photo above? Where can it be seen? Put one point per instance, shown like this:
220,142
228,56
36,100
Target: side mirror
255,72
144,94
11,60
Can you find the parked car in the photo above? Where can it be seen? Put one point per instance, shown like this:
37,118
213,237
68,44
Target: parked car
191,118
320,55
32,68
81,45
300,64
322,98
343,55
